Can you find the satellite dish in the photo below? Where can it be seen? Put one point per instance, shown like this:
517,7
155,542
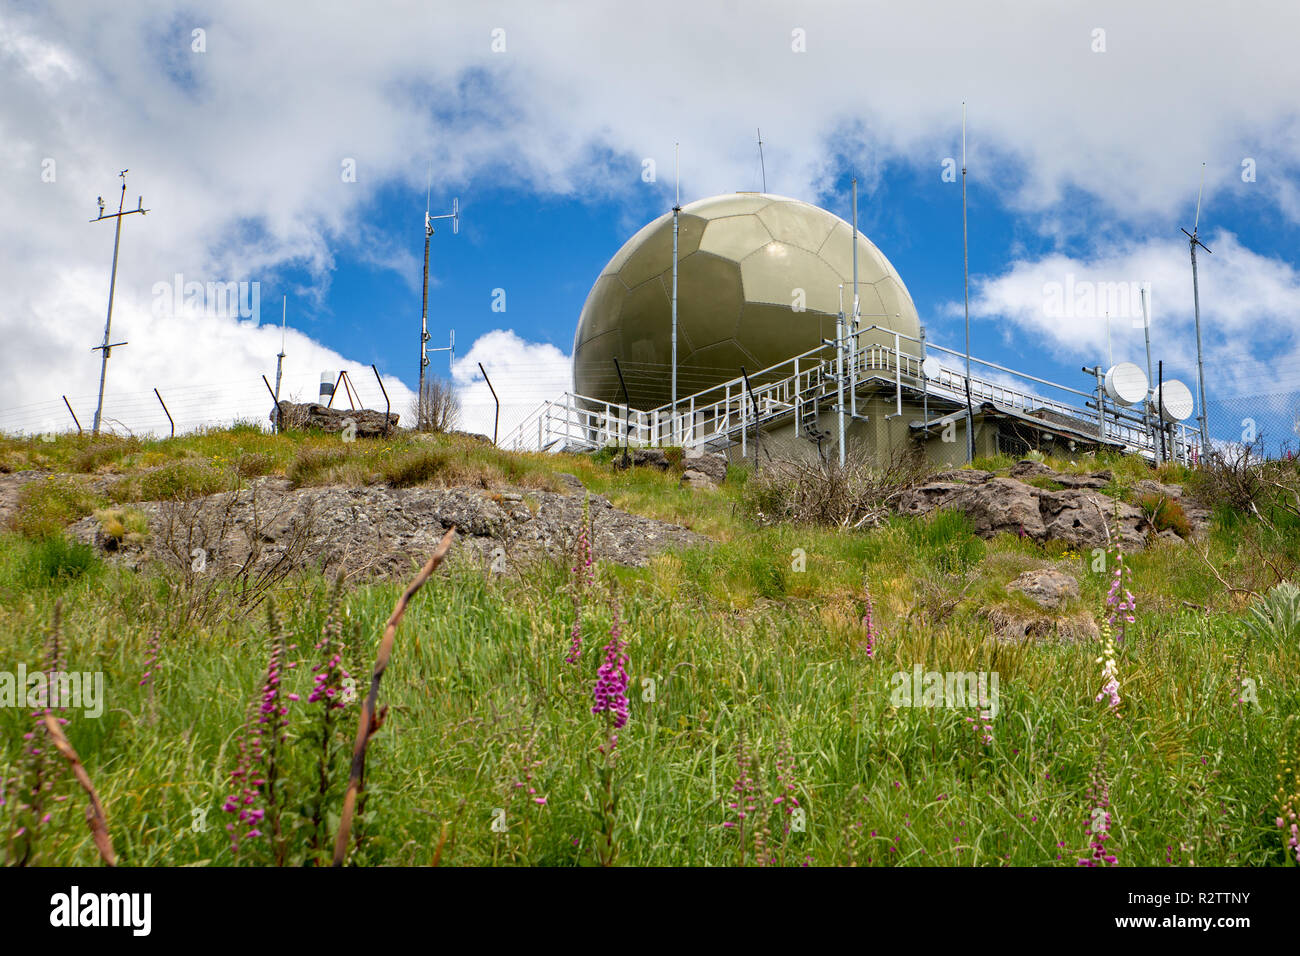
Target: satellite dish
1174,399
1126,384
930,368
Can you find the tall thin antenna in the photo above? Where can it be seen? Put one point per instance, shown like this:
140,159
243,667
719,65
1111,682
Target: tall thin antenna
761,164
857,313
965,265
1193,242
677,208
108,346
279,359
1146,405
454,216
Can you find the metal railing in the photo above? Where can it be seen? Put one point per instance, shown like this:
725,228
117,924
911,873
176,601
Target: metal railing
723,415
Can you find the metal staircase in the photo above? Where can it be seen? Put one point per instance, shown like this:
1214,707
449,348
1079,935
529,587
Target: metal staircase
722,416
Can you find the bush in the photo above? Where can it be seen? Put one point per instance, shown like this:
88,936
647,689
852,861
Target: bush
1165,514
47,507
55,560
312,461
102,451
1276,616
862,493
418,466
179,481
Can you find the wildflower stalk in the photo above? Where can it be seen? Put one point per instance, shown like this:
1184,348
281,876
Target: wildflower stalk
1288,789
870,635
327,691
1099,819
583,578
610,694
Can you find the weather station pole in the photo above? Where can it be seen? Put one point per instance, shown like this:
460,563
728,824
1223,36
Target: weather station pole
1194,241
965,266
677,208
857,314
429,220
107,347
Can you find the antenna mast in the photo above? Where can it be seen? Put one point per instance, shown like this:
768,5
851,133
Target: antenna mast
1194,241
279,359
965,266
107,347
761,165
454,216
677,208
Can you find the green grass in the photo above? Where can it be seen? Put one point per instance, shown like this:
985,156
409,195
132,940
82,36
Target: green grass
756,636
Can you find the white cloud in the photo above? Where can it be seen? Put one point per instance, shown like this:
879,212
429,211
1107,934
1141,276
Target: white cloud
1250,308
238,150
524,374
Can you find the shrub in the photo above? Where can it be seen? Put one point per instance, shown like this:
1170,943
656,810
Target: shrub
107,448
179,481
1165,514
47,507
312,461
1276,616
861,493
55,560
418,466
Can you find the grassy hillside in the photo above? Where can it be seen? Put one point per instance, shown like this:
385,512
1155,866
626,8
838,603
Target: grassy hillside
753,681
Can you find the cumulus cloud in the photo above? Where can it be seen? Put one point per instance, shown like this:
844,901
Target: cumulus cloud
524,374
1250,308
240,149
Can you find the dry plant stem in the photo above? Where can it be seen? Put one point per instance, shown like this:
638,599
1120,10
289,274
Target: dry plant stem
95,817
1201,553
370,722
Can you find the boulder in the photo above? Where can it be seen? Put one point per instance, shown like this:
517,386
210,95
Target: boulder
711,464
368,423
1049,588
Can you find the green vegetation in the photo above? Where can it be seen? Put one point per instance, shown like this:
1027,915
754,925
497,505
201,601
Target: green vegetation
754,643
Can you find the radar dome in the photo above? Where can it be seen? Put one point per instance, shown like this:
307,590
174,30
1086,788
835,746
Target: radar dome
758,282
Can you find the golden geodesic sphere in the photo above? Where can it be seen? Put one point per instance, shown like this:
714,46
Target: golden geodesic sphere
758,282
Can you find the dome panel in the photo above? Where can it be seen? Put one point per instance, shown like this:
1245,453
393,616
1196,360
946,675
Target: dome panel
720,362
734,237
730,204
798,223
708,300
838,253
772,336
656,248
600,313
772,274
593,366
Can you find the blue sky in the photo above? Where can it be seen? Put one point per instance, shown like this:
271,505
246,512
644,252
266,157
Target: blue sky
1086,136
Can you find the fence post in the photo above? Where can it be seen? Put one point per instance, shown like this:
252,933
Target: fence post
169,414
73,414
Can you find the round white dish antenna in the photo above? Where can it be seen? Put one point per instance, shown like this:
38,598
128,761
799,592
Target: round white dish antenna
930,368
1126,384
1174,399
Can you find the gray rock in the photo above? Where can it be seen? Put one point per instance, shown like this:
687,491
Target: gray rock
378,531
369,424
1049,588
711,464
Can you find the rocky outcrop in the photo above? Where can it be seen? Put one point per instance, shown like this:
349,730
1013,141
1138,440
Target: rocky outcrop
367,423
381,531
1077,513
